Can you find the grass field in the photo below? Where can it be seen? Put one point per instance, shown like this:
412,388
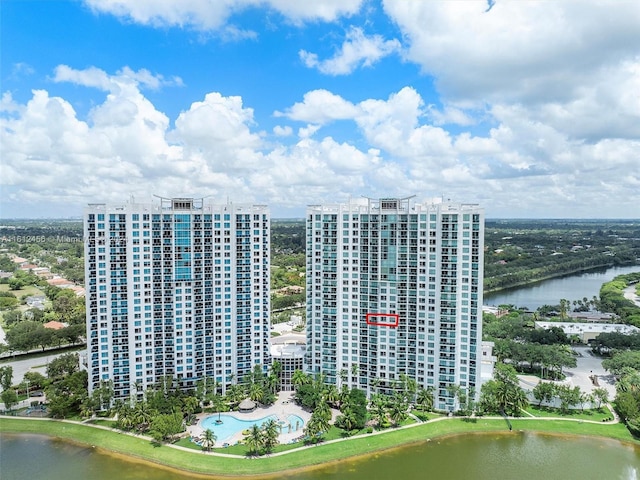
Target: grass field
195,461
28,290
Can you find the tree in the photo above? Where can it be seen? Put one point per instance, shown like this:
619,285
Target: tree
27,335
600,395
300,378
568,396
398,409
424,399
208,440
256,393
331,395
357,402
66,394
342,374
36,380
270,435
103,395
347,420
12,317
6,377
626,405
166,426
9,398
621,359
379,411
253,439
63,365
316,427
503,394
544,392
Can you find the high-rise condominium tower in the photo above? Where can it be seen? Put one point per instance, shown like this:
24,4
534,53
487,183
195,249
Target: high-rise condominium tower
394,291
175,288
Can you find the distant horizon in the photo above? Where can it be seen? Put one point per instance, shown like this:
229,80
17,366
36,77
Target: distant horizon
487,219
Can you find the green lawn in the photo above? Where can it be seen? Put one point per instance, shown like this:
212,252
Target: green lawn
197,462
27,290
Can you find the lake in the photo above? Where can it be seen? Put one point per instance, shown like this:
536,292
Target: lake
515,455
549,292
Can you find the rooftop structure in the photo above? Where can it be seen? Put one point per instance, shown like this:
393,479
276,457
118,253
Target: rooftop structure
588,331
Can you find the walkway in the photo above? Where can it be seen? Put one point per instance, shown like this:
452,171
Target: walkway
304,447
630,294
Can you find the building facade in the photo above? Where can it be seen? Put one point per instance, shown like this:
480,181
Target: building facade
291,358
394,289
176,288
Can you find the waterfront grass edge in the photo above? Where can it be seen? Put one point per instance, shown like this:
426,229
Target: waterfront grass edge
141,448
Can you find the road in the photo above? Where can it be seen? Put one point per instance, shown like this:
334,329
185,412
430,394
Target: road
33,364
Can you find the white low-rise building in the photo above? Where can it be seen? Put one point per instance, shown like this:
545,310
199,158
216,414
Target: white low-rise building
588,331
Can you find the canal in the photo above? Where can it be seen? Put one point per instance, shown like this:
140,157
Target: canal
549,292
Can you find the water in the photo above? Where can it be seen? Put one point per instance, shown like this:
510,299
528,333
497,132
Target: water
232,425
549,292
522,456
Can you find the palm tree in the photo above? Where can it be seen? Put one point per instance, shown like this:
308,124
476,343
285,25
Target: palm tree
354,372
323,411
454,391
378,409
343,375
87,408
398,409
375,383
272,382
235,393
142,416
256,393
331,394
254,440
208,440
316,427
276,368
300,378
425,398
270,436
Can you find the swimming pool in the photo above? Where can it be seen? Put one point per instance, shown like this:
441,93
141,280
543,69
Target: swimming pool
231,425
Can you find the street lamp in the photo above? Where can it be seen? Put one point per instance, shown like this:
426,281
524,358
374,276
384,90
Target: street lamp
27,382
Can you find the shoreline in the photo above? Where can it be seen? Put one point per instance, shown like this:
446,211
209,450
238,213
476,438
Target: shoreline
559,275
209,465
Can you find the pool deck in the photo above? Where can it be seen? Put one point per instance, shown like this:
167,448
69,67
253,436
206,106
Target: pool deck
282,408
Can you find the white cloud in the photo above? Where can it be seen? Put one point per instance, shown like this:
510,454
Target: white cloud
308,131
21,69
320,106
213,14
527,51
357,50
97,78
282,131
450,115
527,164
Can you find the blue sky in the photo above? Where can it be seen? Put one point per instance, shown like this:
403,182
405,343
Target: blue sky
530,109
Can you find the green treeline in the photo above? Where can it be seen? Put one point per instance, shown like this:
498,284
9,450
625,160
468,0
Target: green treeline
612,298
541,268
518,252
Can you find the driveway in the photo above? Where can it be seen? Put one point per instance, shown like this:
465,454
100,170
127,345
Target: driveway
588,364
